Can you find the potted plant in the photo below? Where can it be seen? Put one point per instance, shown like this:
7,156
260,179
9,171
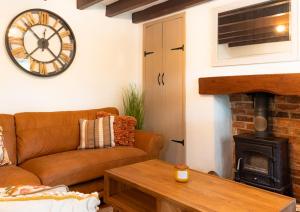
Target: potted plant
133,104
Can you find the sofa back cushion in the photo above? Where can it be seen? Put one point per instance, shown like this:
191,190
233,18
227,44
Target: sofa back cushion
8,124
46,133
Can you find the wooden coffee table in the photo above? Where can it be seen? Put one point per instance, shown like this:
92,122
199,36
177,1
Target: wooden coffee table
150,186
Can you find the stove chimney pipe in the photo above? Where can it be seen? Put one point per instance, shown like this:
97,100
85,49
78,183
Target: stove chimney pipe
261,108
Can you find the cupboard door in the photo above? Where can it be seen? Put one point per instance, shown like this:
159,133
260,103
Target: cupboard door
173,88
152,77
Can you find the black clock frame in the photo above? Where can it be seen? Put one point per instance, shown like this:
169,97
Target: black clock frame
64,25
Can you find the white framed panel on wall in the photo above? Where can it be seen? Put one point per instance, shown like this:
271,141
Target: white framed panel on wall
288,50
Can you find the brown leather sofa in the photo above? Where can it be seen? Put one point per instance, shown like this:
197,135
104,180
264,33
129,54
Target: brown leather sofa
43,150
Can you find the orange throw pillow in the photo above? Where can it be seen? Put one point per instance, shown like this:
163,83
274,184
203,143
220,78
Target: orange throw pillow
124,127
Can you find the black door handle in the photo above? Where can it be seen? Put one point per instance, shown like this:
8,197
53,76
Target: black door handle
158,79
180,142
147,53
162,78
178,48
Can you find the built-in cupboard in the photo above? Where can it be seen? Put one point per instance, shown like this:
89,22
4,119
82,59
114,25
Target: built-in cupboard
164,89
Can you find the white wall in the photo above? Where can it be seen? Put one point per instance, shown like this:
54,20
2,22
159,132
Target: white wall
208,118
107,60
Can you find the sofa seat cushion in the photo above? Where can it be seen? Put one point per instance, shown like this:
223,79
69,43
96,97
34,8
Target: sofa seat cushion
73,167
14,175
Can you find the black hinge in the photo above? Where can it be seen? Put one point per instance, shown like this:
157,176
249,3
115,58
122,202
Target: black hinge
147,53
180,142
178,48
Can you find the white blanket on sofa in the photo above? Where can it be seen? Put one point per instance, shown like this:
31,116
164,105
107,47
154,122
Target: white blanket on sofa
50,201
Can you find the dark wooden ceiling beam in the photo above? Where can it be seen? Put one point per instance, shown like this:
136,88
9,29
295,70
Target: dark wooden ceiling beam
83,4
164,8
123,6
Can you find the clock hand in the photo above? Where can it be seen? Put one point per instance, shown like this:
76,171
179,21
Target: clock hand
35,34
31,30
45,33
43,46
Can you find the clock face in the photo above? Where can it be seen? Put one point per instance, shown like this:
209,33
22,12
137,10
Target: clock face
40,43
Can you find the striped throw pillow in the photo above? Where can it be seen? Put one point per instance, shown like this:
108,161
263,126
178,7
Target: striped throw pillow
97,133
4,159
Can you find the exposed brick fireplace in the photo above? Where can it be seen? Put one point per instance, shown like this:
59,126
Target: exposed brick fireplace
284,120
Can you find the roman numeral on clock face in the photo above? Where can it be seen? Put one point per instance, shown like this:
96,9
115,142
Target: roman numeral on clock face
68,46
21,28
55,66
15,41
44,18
33,64
64,34
19,52
65,57
43,69
56,23
29,19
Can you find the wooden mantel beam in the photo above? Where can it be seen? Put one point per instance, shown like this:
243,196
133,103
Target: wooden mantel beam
164,8
280,84
123,6
83,4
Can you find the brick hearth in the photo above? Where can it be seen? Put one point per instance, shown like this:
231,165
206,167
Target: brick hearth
285,122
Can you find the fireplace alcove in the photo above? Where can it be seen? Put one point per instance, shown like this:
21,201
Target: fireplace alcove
286,98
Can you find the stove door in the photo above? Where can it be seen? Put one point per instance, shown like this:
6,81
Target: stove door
255,164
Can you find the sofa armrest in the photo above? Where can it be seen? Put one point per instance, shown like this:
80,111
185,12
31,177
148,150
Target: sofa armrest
149,142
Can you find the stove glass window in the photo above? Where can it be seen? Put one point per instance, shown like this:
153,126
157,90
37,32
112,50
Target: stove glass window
256,162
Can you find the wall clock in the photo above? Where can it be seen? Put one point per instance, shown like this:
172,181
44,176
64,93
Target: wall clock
40,43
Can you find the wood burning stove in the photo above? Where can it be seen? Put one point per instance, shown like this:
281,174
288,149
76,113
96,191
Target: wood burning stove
263,162
261,158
